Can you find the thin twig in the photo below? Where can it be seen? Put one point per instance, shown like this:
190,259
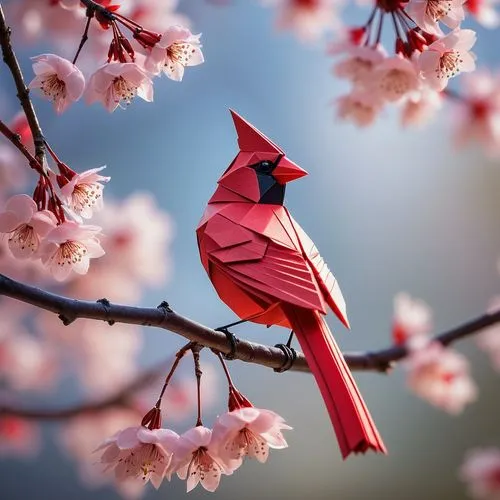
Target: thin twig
16,141
123,398
163,317
23,95
85,36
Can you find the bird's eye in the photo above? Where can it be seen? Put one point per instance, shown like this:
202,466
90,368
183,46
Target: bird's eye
265,167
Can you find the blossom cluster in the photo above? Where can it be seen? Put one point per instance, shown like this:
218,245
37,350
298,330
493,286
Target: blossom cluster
436,373
131,62
199,455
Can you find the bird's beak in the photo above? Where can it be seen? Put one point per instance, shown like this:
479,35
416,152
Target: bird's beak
287,171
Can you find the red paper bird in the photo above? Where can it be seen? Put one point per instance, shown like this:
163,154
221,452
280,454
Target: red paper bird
267,270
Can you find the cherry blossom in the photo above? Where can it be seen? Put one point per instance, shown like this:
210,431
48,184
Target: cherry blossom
139,453
26,362
412,317
137,236
484,12
69,247
477,114
115,83
58,80
248,432
448,56
196,459
83,192
427,14
177,49
308,19
439,375
25,225
394,78
481,471
359,64
12,172
81,435
420,107
360,107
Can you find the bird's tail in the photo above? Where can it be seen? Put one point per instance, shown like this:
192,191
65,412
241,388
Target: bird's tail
353,424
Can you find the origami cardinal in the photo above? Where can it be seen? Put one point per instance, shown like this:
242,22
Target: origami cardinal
267,270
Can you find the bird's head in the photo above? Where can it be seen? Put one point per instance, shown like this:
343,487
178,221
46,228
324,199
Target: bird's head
261,170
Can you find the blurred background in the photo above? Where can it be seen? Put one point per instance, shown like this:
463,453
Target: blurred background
390,209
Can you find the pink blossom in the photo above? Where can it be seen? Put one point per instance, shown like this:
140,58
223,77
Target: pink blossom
83,193
477,115
359,64
360,107
25,225
412,318
177,49
26,362
18,437
12,170
196,459
69,247
427,14
58,79
308,19
138,452
481,471
447,57
420,107
484,12
248,432
137,237
439,375
115,83
395,78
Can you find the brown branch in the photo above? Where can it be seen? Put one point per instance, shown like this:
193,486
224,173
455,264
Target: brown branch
119,398
11,61
163,317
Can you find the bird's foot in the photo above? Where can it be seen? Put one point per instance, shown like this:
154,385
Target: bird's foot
290,355
232,340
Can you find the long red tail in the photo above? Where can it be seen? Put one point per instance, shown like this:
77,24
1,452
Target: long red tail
353,424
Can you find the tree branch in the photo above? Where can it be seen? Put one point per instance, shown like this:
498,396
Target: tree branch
163,317
11,61
120,398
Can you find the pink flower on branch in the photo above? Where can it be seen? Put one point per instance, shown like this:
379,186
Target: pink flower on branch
196,459
139,453
427,14
359,107
484,11
478,112
395,78
177,49
248,432
116,83
82,192
440,375
58,80
69,247
412,318
360,62
481,471
447,57
25,225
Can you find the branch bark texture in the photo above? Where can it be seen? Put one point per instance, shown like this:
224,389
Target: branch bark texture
164,317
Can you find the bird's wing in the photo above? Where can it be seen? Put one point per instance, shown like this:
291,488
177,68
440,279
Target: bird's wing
257,252
326,279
